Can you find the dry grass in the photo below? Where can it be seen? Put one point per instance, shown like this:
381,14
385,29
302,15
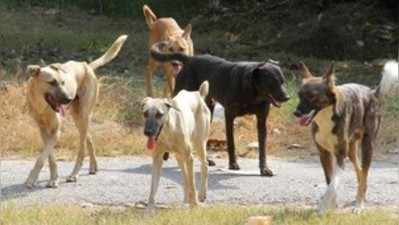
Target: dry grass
111,133
215,215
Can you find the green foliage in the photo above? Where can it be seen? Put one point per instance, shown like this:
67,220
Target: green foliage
112,7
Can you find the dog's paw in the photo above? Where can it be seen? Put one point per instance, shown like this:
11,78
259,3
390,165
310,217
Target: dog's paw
266,172
357,210
30,184
211,162
93,171
71,179
327,202
52,184
234,166
202,197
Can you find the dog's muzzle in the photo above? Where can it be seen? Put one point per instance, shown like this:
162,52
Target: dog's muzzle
57,104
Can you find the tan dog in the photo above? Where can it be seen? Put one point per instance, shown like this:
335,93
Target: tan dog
51,89
180,125
166,29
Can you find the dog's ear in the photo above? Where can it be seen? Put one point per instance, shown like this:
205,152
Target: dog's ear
33,70
187,32
329,77
170,104
143,102
306,74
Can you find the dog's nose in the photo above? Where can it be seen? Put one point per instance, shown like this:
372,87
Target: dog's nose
297,113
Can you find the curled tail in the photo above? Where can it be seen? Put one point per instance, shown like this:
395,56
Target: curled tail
204,89
149,15
110,54
158,55
389,84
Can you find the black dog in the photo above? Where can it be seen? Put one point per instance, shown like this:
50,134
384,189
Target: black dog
241,87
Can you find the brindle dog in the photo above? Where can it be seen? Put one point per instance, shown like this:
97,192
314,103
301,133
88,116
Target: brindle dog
241,87
343,117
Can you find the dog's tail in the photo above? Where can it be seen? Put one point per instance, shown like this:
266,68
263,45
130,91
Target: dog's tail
110,54
389,84
157,54
149,15
204,89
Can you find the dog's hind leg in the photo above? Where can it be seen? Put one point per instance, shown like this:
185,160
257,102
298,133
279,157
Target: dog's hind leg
49,141
353,156
93,169
181,161
81,120
151,68
156,176
192,194
367,154
211,105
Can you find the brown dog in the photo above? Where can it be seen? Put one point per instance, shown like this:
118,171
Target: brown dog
53,89
166,29
345,122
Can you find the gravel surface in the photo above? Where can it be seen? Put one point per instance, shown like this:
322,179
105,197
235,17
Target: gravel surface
126,181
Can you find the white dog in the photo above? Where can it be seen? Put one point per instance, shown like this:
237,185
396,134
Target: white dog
179,125
390,79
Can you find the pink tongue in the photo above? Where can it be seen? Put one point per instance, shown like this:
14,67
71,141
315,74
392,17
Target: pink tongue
151,143
61,110
176,69
303,120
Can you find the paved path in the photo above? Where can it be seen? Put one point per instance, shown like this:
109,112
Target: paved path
126,180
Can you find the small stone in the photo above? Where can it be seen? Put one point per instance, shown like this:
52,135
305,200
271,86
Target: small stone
360,43
87,205
259,220
276,131
253,146
295,146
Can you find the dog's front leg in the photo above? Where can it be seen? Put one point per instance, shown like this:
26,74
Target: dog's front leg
229,119
262,137
49,144
157,161
151,68
53,182
329,200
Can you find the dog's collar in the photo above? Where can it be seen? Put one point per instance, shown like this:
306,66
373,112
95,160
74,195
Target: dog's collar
159,132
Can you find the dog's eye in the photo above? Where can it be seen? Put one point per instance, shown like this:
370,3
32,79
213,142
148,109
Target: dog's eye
181,49
158,115
145,114
53,83
171,49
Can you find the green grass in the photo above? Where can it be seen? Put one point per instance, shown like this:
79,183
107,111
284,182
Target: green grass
213,215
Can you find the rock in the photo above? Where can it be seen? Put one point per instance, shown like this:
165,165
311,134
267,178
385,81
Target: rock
252,146
295,146
259,220
87,205
360,43
276,131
